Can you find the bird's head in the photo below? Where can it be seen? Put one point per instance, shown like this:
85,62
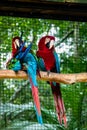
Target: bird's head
46,43
16,42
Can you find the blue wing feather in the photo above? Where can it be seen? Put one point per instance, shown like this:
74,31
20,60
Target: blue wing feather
57,62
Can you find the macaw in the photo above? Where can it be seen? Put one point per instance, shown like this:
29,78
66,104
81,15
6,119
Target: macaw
49,61
25,58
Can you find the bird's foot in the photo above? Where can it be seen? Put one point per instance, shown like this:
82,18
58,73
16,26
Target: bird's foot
48,72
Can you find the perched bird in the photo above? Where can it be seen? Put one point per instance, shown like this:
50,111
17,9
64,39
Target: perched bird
49,61
24,57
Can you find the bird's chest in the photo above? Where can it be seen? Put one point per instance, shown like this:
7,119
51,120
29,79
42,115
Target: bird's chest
49,60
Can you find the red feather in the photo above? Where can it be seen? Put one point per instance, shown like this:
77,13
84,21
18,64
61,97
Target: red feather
59,104
36,98
35,95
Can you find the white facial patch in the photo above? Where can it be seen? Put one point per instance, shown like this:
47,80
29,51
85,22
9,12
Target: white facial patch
51,44
47,40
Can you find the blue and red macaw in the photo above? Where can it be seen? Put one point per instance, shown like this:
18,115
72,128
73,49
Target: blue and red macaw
49,61
22,53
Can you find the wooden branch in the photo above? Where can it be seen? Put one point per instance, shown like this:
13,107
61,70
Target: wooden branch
59,78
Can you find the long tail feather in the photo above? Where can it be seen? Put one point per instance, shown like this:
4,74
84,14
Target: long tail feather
35,95
59,104
37,103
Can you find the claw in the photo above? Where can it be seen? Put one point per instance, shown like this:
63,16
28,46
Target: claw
48,72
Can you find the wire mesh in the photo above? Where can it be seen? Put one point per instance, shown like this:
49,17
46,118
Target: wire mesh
16,103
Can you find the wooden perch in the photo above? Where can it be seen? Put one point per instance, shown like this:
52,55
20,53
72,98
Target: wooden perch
59,78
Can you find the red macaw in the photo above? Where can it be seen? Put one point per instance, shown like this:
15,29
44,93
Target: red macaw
49,62
20,52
